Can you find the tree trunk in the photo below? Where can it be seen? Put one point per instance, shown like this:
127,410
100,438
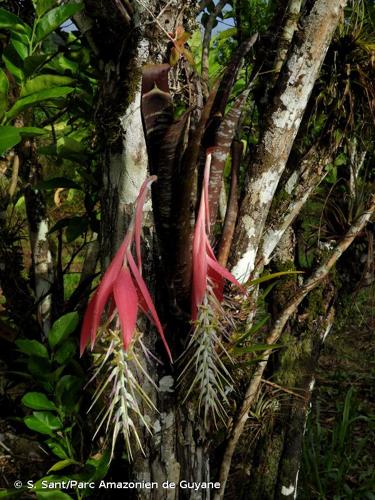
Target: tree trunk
296,83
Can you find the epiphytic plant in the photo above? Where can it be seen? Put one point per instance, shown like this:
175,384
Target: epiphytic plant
124,289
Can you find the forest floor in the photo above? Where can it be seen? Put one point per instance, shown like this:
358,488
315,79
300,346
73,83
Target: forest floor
339,458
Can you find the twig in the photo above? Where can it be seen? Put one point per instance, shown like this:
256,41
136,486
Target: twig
277,386
253,387
232,208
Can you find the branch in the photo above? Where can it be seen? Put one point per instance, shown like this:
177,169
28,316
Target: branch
223,141
232,207
290,26
300,186
274,336
206,42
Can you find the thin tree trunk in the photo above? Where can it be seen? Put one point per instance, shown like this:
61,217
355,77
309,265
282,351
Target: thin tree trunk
297,81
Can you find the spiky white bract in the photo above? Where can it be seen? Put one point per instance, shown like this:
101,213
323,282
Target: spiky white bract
120,375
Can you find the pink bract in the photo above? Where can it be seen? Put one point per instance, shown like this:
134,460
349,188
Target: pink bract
124,285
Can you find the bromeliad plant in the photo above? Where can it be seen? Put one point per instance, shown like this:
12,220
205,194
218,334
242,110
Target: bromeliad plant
205,371
125,292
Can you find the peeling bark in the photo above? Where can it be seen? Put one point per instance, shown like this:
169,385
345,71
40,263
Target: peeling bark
296,83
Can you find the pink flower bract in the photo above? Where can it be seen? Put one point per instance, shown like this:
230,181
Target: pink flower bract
206,269
124,286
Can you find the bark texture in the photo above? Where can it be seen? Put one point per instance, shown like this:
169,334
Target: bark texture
296,83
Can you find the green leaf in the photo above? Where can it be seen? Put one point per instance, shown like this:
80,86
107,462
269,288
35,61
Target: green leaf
13,23
20,43
62,328
62,464
9,137
58,448
37,401
253,330
58,182
68,391
32,131
34,62
43,82
100,462
54,18
43,422
257,348
43,95
66,351
272,276
4,87
52,494
32,348
40,368
42,6
75,226
61,64
13,63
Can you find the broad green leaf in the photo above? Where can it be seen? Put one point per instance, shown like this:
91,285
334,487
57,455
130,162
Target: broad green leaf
100,462
75,226
62,328
13,23
62,464
42,6
43,82
68,391
38,401
33,63
58,182
51,494
20,43
43,95
66,351
40,368
32,131
54,18
43,422
13,63
4,87
58,448
9,137
61,64
32,348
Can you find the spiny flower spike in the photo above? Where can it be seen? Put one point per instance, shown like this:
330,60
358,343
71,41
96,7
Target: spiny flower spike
204,376
123,286
207,272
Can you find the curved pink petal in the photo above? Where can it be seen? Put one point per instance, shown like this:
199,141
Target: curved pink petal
126,300
106,286
199,284
148,300
87,325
